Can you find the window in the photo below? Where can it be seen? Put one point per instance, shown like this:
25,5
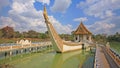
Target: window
76,38
87,38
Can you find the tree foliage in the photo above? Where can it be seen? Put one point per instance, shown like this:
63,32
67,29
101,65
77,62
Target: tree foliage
115,37
102,38
66,37
1,33
8,32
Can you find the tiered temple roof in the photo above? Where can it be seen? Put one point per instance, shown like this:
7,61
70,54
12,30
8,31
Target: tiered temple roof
82,30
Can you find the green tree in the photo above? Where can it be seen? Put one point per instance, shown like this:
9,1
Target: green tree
42,35
17,34
1,33
66,37
100,38
115,37
25,34
33,34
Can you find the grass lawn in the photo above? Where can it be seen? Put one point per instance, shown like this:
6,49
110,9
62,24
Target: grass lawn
115,46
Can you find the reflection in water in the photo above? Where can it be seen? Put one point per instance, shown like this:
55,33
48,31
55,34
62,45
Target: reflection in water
51,59
6,66
69,59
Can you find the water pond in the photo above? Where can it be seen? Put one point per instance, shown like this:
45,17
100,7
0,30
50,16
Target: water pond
50,59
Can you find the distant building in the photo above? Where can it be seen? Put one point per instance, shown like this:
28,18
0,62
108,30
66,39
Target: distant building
82,33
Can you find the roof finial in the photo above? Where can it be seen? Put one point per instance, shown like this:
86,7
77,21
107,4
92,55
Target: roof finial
81,21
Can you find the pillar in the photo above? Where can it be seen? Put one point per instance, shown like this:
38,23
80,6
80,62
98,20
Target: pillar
10,52
90,38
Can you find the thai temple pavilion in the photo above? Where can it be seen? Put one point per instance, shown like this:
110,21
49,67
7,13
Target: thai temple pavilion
82,33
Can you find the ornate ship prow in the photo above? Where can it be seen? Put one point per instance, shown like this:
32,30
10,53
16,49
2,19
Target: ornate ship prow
59,44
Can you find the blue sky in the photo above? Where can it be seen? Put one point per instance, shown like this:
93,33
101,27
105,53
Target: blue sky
99,16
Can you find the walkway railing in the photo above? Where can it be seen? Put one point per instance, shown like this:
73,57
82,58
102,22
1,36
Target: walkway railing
114,55
12,50
13,47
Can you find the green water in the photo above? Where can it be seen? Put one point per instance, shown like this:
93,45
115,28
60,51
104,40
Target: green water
50,59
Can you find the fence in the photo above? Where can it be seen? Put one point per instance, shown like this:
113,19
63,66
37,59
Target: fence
6,51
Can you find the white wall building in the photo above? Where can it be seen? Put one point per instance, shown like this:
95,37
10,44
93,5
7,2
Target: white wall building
82,33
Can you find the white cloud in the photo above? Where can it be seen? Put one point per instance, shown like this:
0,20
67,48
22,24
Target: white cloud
59,27
108,26
6,21
4,3
83,4
109,13
98,8
104,10
23,17
60,5
101,27
83,19
44,1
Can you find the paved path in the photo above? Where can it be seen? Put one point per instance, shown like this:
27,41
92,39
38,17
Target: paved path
101,61
109,59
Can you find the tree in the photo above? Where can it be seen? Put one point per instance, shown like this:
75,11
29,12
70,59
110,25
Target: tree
117,33
8,32
46,32
42,35
17,34
1,33
33,34
115,37
25,35
100,38
66,37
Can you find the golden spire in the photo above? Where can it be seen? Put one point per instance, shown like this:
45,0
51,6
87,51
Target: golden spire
45,11
45,14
